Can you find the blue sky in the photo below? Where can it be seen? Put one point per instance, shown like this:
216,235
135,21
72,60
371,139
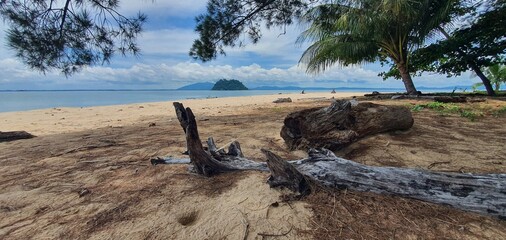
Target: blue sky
164,61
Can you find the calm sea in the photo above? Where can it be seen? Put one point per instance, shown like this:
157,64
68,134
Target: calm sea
29,100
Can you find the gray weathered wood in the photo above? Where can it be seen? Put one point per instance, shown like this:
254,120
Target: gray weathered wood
482,193
203,162
341,124
285,175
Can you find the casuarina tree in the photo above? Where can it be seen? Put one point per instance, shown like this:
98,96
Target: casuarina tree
479,44
68,34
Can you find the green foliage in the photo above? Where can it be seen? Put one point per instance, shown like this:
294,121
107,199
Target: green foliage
68,35
496,74
226,20
354,32
443,107
501,112
473,46
472,116
232,84
417,108
449,108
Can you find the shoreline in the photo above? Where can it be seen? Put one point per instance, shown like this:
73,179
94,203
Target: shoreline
38,100
58,120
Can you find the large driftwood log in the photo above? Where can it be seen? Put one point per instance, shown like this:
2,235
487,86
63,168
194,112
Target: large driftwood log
15,135
341,124
482,193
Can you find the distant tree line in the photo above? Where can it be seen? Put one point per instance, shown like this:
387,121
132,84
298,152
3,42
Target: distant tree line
226,84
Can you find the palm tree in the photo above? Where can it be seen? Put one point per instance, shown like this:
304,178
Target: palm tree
350,32
497,75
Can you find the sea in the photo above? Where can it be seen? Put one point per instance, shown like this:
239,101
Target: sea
11,101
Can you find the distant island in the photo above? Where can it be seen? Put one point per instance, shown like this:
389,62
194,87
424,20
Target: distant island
232,84
210,85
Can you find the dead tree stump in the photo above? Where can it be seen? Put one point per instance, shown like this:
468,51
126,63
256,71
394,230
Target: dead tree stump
341,124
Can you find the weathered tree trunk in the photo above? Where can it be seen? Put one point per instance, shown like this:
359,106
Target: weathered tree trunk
484,79
203,162
485,193
341,124
182,117
473,66
406,79
15,135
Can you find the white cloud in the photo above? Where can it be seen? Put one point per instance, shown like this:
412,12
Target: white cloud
163,75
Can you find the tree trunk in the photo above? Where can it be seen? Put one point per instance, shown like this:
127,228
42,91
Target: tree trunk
406,79
484,79
485,193
474,67
341,124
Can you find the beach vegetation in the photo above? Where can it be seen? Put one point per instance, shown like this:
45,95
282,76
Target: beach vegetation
69,35
354,32
471,113
500,112
449,37
497,76
477,43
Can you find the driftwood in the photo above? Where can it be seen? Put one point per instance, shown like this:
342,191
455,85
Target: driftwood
482,193
15,135
341,124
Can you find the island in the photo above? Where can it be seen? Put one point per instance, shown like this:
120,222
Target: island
232,84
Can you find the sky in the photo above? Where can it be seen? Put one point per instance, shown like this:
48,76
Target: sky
164,62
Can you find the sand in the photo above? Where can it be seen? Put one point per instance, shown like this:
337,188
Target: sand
87,175
65,120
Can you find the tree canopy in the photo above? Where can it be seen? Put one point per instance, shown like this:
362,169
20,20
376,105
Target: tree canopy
353,32
473,46
496,74
226,21
342,31
69,34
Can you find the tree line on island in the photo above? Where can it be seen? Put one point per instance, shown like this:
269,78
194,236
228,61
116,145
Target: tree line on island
232,84
409,36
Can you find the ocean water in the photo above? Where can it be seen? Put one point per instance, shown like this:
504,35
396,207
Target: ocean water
30,100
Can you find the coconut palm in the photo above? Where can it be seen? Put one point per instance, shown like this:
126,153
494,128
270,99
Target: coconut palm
497,75
350,32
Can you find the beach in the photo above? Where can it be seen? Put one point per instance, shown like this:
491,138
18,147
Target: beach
87,174
66,120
